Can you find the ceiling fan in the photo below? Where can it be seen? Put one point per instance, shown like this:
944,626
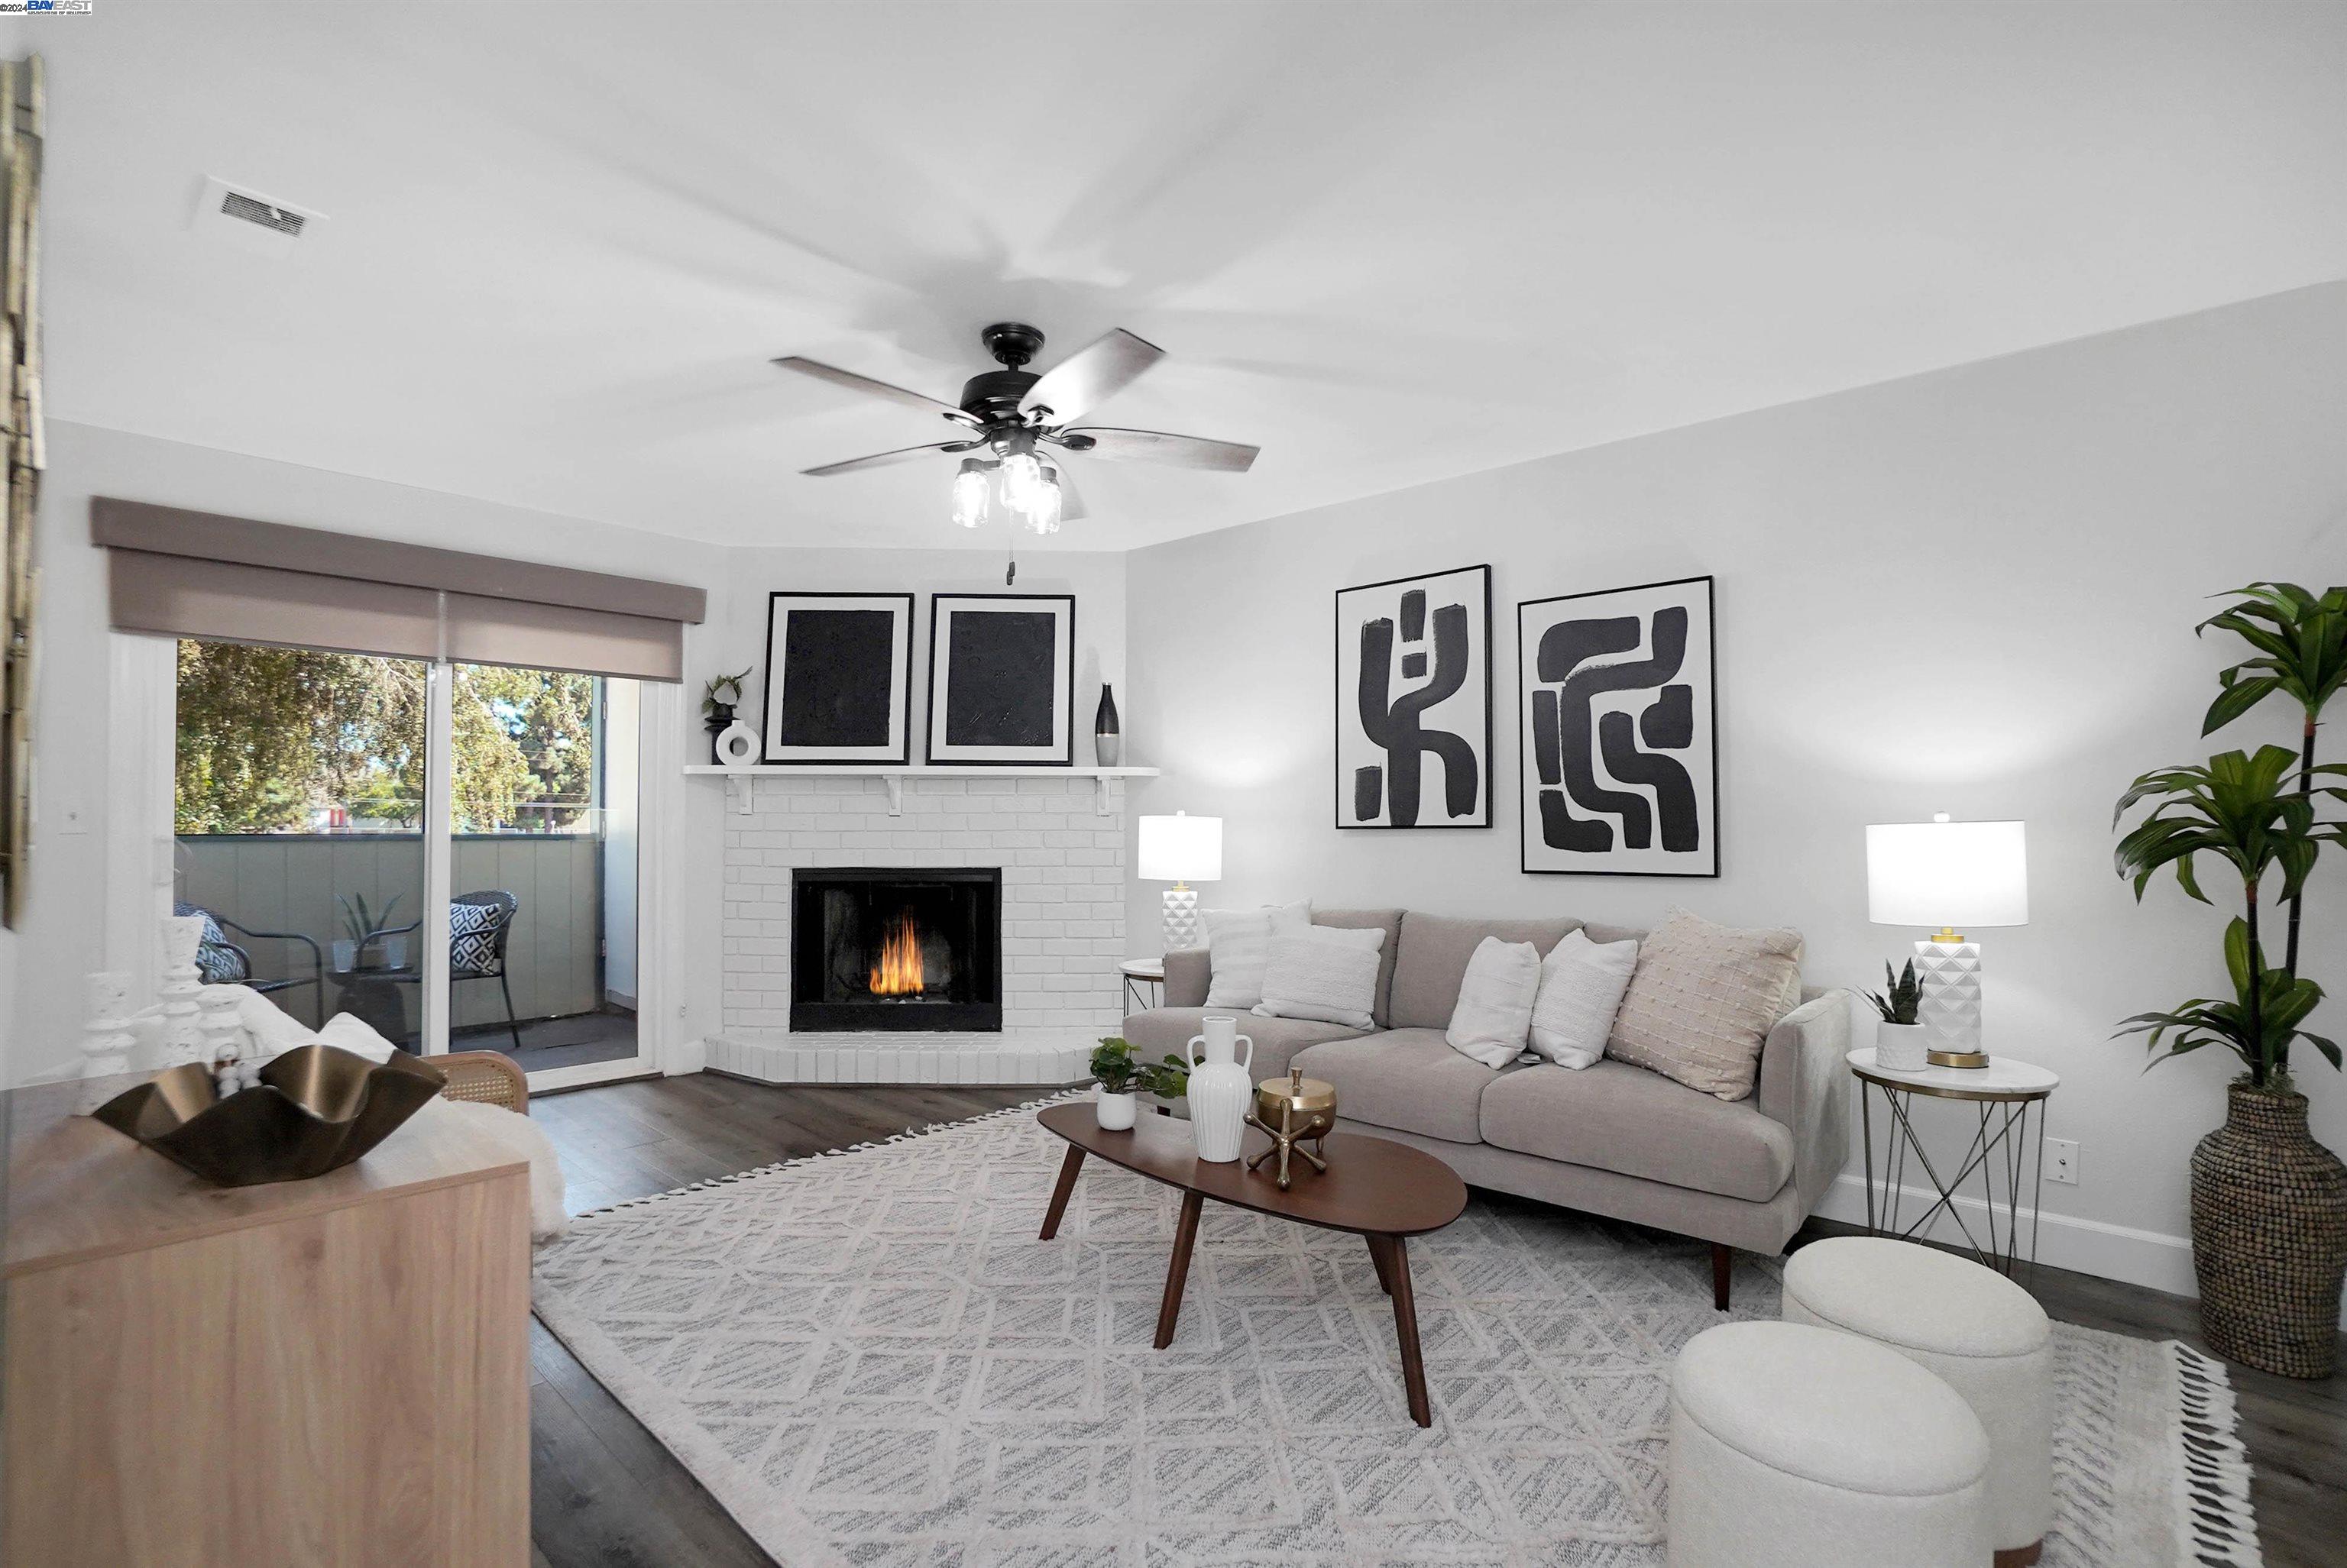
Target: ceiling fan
1018,424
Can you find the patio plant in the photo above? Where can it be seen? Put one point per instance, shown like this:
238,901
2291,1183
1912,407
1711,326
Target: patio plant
2268,1203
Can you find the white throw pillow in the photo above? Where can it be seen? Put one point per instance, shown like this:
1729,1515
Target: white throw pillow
1494,1010
1581,988
1240,941
1327,972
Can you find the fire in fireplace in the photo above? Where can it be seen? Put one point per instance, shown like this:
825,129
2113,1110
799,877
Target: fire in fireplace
880,948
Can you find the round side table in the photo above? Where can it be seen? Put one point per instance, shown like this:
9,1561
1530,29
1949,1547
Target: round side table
2005,1092
1145,983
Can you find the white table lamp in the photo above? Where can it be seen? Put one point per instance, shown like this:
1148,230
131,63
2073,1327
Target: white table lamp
1181,849
1948,875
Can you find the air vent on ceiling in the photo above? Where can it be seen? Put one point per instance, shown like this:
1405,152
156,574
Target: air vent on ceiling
252,221
237,204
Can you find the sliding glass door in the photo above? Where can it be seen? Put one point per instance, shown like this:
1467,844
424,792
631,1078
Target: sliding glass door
447,852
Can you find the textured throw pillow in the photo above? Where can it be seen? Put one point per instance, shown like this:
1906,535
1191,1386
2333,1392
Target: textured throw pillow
1327,972
1240,941
1703,1000
1495,1001
1581,988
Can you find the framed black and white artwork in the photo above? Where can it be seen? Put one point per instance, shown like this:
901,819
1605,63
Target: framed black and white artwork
1002,679
1620,732
839,677
1414,702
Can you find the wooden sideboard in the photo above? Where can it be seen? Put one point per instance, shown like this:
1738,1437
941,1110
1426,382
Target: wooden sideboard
333,1371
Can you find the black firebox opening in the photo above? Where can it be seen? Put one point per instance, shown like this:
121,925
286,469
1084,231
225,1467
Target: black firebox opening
880,948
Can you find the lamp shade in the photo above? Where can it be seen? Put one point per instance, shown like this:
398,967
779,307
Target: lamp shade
1947,873
1181,849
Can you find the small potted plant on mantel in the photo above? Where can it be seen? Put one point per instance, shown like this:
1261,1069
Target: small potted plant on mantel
1899,1039
2269,1202
718,700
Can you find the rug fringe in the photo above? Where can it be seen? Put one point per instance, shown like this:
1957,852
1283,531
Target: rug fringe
2213,1503
1025,1107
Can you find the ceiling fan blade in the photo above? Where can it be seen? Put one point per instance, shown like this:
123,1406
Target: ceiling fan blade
1162,446
865,384
1091,375
882,459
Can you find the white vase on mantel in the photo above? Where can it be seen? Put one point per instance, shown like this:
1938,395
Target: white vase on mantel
1220,1088
1901,1047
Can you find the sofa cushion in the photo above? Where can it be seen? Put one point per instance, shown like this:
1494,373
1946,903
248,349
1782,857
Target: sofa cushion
1495,1001
1703,1000
1240,941
1433,957
1385,920
1409,1079
1163,1030
1624,1119
1324,971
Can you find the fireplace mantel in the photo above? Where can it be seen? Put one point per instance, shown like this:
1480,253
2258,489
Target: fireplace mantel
740,782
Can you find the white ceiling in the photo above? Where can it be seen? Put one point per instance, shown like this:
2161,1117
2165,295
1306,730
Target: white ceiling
1388,244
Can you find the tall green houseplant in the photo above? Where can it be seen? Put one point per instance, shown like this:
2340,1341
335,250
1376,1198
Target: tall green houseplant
2268,1203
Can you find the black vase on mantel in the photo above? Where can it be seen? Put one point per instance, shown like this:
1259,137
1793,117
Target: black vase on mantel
1108,737
720,719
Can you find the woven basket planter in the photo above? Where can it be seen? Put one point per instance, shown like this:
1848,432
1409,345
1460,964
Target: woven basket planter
2270,1237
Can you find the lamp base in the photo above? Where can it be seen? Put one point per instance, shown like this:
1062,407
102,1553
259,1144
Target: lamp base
1956,1058
1181,918
1950,1007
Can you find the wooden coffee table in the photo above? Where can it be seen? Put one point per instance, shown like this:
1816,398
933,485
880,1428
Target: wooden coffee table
1380,1190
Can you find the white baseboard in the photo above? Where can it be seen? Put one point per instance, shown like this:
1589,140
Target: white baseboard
686,1056
2120,1252
991,1059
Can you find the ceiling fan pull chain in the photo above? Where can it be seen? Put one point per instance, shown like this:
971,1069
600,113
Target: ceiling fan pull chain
1010,567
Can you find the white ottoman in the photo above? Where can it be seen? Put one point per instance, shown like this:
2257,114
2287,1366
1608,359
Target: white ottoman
1985,1336
1794,1447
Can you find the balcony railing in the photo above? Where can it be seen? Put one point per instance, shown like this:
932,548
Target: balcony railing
289,881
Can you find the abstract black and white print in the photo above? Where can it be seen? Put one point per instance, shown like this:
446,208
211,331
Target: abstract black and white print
1002,679
839,677
1414,702
1618,732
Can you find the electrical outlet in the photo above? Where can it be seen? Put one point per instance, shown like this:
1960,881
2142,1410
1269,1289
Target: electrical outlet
2062,1161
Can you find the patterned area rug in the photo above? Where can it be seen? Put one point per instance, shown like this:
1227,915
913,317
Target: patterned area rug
869,1359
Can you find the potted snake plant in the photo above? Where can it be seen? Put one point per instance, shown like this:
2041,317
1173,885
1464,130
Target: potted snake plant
2269,1202
1898,1038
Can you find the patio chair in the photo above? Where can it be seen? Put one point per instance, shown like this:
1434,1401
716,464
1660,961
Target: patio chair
478,926
220,962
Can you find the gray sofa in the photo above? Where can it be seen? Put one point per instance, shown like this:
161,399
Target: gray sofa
1610,1139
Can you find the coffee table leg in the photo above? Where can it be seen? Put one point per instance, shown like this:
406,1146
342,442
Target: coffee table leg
1413,1369
1177,1273
1385,1270
1068,1169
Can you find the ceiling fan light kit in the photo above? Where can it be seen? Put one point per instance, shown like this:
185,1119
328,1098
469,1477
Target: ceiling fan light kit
1012,413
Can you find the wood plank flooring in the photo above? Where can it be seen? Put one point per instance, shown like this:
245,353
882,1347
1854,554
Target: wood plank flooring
606,1494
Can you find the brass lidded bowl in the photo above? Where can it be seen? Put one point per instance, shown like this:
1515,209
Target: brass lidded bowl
1310,1105
316,1109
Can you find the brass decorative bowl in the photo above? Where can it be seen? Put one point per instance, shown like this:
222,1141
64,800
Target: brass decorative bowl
1294,1110
316,1109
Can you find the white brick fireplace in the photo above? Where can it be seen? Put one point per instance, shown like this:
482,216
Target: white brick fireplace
1059,843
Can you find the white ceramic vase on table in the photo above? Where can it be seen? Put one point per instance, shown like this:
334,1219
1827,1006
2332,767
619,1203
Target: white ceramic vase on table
1116,1112
1220,1088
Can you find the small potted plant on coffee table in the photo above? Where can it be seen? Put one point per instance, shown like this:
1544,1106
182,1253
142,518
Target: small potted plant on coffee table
1899,1039
1115,1070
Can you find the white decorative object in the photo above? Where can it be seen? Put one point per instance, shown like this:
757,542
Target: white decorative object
1581,987
1977,1331
1493,1014
182,1035
107,1041
1220,1088
1325,972
225,1042
1901,1047
1181,849
1241,942
737,745
1948,873
1115,1111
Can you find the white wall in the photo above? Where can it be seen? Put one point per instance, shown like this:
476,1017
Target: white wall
623,842
1972,591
